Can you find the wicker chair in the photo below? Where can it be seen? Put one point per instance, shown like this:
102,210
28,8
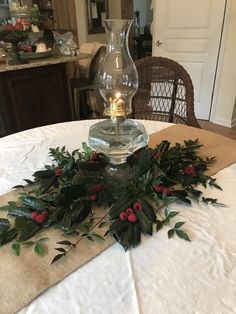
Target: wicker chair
165,92
82,85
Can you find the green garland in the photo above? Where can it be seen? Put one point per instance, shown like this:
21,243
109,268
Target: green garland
64,194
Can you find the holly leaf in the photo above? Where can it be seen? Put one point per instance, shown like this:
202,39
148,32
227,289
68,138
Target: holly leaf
21,222
16,248
20,212
4,223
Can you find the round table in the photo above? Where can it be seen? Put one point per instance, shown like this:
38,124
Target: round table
161,275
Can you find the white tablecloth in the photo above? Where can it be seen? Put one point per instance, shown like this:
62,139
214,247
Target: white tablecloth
161,275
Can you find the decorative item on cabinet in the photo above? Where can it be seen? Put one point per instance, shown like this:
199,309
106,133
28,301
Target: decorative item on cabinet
47,14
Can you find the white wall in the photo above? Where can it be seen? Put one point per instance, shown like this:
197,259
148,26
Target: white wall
224,111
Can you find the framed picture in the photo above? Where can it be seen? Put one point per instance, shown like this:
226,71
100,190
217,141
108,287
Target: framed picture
97,12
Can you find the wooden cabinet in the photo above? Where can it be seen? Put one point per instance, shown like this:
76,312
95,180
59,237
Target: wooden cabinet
34,97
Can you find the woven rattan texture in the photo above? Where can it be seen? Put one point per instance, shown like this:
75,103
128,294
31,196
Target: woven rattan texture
165,92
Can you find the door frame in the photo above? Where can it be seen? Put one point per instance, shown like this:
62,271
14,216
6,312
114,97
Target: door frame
219,66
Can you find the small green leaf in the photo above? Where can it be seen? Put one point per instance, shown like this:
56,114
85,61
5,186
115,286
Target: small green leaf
171,233
89,237
209,200
16,248
182,235
165,221
169,200
179,224
42,239
39,249
28,181
216,186
65,242
102,224
44,174
19,186
57,257
172,214
5,207
60,249
159,225
97,236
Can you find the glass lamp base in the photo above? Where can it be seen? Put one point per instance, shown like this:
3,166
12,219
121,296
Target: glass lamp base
117,138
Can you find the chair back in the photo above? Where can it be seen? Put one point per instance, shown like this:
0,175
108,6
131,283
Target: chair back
96,60
165,92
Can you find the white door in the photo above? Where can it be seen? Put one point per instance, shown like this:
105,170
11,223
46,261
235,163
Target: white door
189,32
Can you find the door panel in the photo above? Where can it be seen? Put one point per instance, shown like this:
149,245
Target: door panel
190,32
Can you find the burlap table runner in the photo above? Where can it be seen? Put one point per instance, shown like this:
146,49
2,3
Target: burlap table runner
25,277
223,148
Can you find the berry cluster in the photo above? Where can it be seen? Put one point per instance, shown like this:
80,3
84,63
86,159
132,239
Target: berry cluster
39,217
130,213
190,170
58,172
160,188
96,189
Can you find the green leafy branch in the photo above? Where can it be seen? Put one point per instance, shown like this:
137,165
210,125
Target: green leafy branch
64,194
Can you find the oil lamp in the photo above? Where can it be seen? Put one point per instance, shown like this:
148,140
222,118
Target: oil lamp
117,82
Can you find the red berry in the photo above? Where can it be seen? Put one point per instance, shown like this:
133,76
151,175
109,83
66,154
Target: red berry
166,191
19,26
132,217
34,214
97,188
45,213
8,27
129,211
93,197
58,172
158,188
40,219
190,170
137,206
94,156
123,216
29,49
